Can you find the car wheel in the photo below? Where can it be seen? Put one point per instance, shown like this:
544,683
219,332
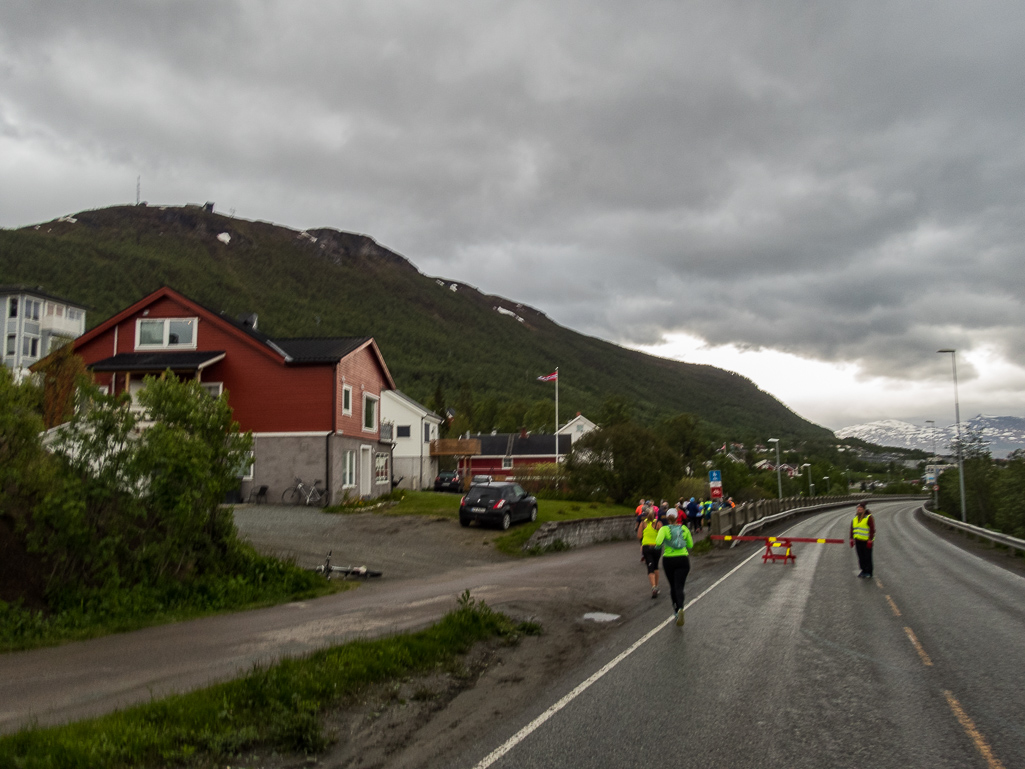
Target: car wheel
464,521
533,514
506,521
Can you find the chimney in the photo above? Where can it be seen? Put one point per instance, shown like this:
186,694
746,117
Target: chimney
523,432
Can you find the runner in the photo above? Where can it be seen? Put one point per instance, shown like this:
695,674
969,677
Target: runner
647,533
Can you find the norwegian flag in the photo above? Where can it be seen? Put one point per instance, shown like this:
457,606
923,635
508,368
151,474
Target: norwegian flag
550,378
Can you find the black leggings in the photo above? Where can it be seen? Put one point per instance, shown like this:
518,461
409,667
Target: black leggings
651,555
677,567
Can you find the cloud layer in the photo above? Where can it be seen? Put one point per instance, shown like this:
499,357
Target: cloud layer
840,183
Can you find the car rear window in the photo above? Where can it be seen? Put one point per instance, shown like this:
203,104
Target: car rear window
484,495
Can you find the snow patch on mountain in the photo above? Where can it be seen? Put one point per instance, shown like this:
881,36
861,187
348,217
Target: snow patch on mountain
1003,434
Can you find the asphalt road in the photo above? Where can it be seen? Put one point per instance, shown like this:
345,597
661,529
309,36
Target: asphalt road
802,666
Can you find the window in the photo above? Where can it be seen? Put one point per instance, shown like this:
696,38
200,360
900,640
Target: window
381,474
165,332
507,463
346,399
13,312
74,314
427,433
213,389
349,469
32,308
12,344
402,431
30,347
369,413
245,472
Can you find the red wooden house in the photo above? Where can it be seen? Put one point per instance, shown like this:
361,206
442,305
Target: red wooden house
313,404
504,455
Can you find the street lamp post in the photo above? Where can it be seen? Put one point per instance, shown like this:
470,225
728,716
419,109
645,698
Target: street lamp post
935,480
960,451
811,486
779,478
825,482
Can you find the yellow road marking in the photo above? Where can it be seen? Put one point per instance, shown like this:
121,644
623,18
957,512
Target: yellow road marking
820,540
879,583
918,647
969,726
893,606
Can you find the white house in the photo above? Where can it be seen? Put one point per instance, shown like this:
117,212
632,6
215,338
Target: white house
34,324
577,427
414,426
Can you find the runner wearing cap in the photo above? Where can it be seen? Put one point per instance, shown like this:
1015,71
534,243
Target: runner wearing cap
676,541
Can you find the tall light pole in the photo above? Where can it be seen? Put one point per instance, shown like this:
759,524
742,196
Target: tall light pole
960,451
779,478
825,482
811,486
935,480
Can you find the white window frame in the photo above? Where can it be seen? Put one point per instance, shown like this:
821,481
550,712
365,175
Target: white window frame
250,464
382,472
165,345
347,396
214,389
29,346
349,470
368,398
507,463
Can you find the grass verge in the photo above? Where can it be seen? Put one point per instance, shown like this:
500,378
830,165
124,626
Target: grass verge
278,707
79,614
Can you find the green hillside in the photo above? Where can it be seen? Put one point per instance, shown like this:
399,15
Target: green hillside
325,283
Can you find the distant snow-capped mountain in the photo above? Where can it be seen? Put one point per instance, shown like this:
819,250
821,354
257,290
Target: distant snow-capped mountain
1004,434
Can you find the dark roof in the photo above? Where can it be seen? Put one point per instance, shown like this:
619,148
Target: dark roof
38,291
514,445
159,361
320,350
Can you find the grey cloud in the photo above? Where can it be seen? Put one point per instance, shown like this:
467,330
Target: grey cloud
846,179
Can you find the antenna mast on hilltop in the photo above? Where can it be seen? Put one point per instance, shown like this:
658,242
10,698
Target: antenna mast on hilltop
138,189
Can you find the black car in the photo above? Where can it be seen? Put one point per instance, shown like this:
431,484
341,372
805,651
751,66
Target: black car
498,504
448,481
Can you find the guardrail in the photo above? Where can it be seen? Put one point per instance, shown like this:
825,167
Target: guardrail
753,515
992,536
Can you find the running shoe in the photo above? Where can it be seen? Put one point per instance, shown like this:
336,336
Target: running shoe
654,592
679,618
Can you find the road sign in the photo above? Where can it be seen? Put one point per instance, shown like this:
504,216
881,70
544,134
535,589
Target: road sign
716,492
715,476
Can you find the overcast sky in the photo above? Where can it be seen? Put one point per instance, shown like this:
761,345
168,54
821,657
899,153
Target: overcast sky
817,195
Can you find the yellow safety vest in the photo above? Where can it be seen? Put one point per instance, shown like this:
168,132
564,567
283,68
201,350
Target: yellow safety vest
861,526
649,535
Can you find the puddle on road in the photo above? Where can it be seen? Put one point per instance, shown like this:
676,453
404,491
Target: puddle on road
600,616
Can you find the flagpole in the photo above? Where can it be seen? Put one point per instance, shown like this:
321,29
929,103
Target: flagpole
556,415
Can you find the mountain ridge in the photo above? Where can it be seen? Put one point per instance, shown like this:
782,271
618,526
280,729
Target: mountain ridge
435,332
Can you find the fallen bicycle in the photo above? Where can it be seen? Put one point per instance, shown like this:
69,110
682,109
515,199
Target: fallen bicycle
347,571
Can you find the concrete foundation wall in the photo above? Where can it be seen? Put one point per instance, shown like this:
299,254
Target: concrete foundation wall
407,469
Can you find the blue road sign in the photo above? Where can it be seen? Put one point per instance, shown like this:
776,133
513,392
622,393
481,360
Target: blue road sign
715,476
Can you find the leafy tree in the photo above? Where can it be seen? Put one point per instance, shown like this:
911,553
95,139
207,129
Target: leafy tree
63,375
141,505
621,462
1010,494
980,480
616,410
540,417
684,435
24,465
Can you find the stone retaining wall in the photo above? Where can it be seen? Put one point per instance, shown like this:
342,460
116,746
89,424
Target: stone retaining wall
585,531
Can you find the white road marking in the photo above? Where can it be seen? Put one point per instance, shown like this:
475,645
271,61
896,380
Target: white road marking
527,730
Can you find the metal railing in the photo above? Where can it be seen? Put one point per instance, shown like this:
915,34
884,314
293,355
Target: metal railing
993,536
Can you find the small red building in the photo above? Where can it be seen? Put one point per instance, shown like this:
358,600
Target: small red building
312,404
503,455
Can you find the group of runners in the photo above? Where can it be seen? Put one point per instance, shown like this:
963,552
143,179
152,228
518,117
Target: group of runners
666,534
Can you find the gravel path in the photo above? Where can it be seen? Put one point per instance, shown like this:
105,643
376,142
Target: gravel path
401,547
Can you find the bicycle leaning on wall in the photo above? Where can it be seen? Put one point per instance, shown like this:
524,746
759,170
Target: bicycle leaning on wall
305,493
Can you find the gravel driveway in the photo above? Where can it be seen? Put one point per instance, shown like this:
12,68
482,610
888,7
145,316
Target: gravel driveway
400,547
